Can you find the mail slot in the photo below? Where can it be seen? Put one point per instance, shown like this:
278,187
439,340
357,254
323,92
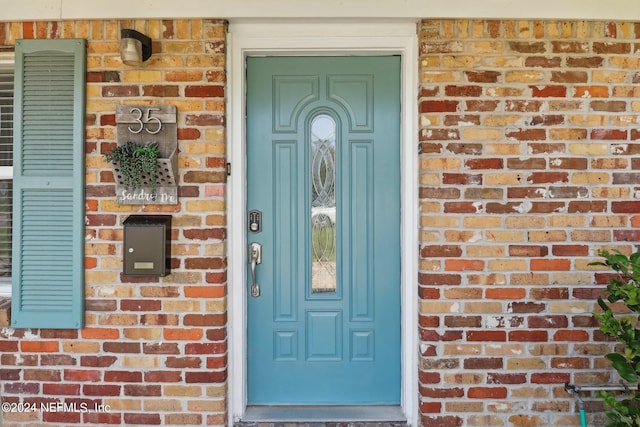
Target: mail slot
147,245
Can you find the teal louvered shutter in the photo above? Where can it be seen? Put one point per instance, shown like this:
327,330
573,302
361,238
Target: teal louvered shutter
48,187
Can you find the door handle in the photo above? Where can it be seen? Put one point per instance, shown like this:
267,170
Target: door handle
255,258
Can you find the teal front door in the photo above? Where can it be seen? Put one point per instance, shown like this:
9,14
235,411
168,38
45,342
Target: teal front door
323,207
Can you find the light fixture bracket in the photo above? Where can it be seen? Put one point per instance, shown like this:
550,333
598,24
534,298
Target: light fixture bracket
145,41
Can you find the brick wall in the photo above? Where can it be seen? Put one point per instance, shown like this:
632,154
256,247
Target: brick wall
527,152
528,165
153,350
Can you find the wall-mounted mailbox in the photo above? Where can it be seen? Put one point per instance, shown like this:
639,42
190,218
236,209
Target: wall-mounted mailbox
147,244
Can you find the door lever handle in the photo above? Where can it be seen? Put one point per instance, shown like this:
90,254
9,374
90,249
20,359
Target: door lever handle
255,258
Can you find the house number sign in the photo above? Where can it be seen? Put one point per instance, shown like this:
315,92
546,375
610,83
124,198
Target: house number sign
148,118
142,124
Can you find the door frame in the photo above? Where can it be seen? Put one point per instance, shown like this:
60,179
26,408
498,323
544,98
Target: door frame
311,37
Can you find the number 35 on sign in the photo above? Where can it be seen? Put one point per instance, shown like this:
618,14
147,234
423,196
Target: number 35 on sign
143,123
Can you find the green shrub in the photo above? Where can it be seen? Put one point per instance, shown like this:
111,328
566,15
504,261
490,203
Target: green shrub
623,287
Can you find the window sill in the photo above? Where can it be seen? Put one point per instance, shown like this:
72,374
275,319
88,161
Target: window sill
5,311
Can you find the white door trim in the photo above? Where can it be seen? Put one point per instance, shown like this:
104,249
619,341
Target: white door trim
269,37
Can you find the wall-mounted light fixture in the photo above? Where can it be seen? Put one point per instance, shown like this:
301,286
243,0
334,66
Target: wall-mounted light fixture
135,47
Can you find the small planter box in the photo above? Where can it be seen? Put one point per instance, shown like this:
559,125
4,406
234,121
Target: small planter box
142,124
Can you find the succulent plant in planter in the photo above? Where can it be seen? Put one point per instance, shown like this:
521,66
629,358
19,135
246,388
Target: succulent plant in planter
133,161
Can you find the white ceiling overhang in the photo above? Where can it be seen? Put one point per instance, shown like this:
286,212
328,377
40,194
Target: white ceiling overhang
625,10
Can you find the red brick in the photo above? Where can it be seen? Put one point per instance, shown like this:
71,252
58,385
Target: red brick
569,77
548,321
569,163
484,163
463,91
430,407
188,134
184,362
204,120
39,346
41,375
571,335
584,62
486,336
529,163
161,91
626,235
123,376
160,348
191,334
202,291
549,293
209,91
61,417
548,177
483,363
142,390
569,47
98,361
442,393
102,418
461,179
80,375
464,265
61,389
431,106
217,362
10,374
142,419
433,336
463,321
445,421
21,388
609,134
433,251
439,279
550,378
205,348
612,48
625,207
163,376
549,91
550,264
101,390
487,393
570,250
543,62
205,377
505,293
528,47
483,76
140,305
121,347
528,336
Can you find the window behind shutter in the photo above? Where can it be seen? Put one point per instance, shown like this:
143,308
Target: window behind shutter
48,193
6,173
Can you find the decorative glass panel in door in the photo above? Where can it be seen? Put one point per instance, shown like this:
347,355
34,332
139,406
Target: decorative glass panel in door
323,169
